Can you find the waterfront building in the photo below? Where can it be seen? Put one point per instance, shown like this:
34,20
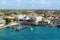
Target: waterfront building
8,17
16,16
39,18
57,21
47,20
24,18
27,18
2,22
32,15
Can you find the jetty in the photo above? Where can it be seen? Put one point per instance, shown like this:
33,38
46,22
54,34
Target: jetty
9,25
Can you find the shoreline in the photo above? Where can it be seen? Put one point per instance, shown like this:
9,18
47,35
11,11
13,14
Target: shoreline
17,24
12,24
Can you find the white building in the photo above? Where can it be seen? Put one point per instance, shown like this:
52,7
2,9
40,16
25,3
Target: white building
47,20
2,22
39,18
27,18
19,16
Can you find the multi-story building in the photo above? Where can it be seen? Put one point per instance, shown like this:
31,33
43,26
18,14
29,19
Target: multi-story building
2,22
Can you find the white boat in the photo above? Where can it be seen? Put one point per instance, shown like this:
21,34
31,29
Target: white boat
31,28
13,23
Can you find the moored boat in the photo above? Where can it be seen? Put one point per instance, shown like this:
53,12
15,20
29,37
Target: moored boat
58,25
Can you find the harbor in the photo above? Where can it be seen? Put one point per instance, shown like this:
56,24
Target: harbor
29,19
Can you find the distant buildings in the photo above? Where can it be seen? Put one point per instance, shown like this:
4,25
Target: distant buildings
35,19
18,17
31,18
57,21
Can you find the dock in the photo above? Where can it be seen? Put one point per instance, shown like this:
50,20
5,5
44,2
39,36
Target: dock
9,25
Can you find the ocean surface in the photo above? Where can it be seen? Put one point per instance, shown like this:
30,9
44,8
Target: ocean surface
33,33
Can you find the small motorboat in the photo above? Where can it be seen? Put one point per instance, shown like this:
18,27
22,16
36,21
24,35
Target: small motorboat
18,28
31,28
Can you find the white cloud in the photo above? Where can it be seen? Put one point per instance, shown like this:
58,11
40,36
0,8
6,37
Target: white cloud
58,2
49,3
18,1
32,2
42,2
3,2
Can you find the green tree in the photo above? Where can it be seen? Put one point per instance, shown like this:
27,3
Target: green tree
8,21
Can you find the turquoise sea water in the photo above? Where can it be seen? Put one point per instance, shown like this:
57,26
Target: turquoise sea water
38,33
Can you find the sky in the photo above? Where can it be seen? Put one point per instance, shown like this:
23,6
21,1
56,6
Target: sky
30,4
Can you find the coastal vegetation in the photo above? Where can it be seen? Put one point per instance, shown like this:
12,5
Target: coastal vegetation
8,21
39,12
15,12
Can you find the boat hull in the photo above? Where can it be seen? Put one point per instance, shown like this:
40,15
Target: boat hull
58,26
